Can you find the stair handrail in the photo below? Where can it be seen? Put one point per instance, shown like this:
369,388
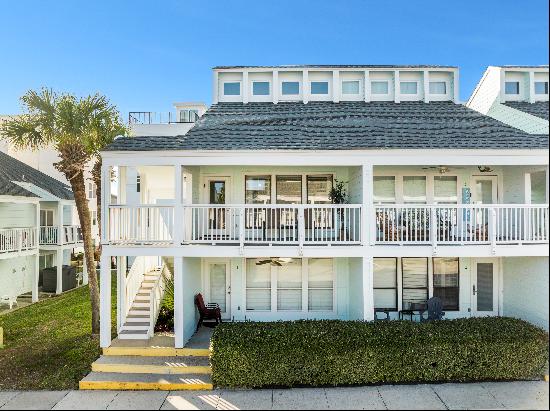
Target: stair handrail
156,296
133,281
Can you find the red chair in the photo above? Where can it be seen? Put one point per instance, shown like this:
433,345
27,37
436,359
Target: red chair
207,311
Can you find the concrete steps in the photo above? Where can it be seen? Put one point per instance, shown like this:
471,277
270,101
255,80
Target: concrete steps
156,352
153,365
134,382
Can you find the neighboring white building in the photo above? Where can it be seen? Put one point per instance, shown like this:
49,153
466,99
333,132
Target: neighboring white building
442,201
149,123
43,160
37,230
515,95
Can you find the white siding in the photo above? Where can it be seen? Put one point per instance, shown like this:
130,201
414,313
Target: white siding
526,289
16,275
191,287
14,215
356,289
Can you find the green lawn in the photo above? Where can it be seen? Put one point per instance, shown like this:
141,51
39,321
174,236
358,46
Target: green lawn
48,345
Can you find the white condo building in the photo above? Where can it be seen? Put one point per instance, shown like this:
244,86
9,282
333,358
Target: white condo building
440,200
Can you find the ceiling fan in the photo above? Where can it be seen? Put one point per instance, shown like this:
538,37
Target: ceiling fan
274,261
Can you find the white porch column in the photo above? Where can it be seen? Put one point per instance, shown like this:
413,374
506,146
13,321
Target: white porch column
120,297
105,300
369,222
84,272
368,295
105,200
37,259
60,231
179,222
178,301
59,265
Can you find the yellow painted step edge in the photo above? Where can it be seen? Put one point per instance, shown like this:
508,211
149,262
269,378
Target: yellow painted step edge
157,352
136,386
150,369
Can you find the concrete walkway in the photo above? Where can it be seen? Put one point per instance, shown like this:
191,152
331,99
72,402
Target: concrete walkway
505,395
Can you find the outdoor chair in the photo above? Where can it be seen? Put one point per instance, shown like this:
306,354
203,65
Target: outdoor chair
435,310
207,311
9,300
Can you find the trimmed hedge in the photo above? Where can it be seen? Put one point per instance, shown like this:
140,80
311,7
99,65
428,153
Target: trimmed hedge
331,353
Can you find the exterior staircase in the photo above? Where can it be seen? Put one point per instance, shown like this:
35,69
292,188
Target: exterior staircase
138,320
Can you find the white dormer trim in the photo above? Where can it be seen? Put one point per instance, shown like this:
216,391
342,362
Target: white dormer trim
396,86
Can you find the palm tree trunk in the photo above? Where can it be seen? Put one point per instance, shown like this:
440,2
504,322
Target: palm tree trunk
79,191
96,177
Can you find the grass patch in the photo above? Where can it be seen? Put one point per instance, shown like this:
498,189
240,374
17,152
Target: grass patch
331,353
48,345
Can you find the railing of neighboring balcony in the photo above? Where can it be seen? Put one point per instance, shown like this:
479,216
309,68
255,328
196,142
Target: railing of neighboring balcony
71,234
17,239
153,117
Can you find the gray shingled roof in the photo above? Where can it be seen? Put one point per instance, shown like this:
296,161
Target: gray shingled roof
340,126
538,109
335,66
12,169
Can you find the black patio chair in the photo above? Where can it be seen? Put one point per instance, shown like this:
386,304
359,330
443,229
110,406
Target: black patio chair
435,310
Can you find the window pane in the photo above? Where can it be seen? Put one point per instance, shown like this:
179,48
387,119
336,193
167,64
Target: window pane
408,87
350,87
289,275
541,87
320,273
385,272
258,189
320,300
291,88
485,287
445,272
260,88
289,189
445,189
384,189
385,298
379,87
218,285
289,300
414,189
318,189
438,87
232,89
415,281
257,276
319,87
258,300
511,87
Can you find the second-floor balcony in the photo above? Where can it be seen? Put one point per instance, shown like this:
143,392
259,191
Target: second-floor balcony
70,234
17,239
346,224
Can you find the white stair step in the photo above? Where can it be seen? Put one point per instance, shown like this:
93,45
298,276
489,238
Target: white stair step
137,304
137,318
133,326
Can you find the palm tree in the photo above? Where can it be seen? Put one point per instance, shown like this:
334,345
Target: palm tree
78,128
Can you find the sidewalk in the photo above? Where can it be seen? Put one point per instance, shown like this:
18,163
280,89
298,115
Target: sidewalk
505,395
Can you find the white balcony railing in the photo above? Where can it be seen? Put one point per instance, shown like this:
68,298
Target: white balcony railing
17,239
461,224
141,224
274,224
71,234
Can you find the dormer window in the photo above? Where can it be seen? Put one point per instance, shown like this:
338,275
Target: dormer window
541,87
290,88
319,87
232,88
511,87
189,116
438,87
408,87
351,87
260,88
379,87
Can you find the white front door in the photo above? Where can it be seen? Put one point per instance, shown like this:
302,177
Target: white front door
218,285
485,287
484,190
216,191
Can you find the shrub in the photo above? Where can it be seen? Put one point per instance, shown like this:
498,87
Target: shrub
331,353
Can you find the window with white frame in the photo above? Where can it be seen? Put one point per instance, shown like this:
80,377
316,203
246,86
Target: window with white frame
319,87
445,189
384,189
45,261
289,286
541,87
258,285
438,87
415,282
408,87
46,218
290,88
511,87
445,279
385,283
320,284
138,184
258,189
379,87
232,88
91,190
288,276
260,88
94,217
351,87
414,189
